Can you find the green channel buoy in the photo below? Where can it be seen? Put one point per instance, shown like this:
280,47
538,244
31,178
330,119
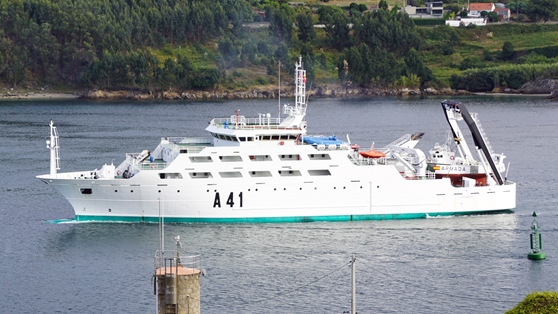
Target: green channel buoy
536,241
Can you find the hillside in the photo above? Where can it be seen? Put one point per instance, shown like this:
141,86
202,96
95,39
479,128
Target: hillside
175,46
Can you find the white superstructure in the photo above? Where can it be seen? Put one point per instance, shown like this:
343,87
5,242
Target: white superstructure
266,169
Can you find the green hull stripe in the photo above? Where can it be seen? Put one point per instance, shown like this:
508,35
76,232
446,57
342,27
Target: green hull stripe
125,219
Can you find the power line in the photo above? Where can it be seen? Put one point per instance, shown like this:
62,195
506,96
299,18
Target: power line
282,293
435,291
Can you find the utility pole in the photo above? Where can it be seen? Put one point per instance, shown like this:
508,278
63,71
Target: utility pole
353,300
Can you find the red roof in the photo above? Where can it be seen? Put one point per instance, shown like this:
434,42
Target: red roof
481,6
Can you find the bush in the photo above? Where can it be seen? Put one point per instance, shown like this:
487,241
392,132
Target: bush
429,22
478,81
260,80
508,52
471,63
485,79
545,302
205,78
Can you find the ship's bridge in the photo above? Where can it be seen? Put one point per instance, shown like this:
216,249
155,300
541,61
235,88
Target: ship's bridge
264,130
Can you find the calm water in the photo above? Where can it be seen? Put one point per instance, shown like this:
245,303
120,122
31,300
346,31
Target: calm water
449,265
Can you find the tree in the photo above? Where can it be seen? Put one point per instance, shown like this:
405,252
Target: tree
508,52
415,65
338,30
517,7
228,51
493,17
282,52
308,60
183,71
281,23
383,5
542,10
167,75
305,25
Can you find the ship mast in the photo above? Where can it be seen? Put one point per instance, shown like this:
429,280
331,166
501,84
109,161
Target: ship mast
300,86
52,144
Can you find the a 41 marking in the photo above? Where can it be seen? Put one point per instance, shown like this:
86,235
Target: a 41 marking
230,200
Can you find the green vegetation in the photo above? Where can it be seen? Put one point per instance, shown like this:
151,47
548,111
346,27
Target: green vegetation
545,302
155,45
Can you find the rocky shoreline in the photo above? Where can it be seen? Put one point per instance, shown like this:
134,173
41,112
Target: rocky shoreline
260,94
546,87
539,87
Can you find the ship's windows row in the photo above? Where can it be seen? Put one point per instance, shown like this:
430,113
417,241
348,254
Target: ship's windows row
319,157
237,158
225,137
201,159
324,172
174,175
260,158
289,173
200,175
232,158
231,138
278,137
230,174
289,157
258,174
245,139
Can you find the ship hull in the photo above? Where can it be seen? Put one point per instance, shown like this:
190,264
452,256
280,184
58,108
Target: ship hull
364,193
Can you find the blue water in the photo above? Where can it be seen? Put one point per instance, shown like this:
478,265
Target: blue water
472,264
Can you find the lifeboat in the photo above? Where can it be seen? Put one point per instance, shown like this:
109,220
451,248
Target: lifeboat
372,154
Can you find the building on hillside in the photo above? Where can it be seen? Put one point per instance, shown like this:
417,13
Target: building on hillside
475,9
435,7
466,21
503,13
432,9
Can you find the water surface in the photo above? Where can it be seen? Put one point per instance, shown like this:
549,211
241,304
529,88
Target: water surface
437,265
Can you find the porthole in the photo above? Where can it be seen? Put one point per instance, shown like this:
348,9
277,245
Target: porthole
110,210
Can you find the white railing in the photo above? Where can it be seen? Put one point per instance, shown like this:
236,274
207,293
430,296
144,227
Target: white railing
249,123
154,166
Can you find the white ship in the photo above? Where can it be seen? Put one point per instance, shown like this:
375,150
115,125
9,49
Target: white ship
266,169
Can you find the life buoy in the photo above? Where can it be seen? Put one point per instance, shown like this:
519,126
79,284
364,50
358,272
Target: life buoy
118,172
153,166
452,157
281,143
